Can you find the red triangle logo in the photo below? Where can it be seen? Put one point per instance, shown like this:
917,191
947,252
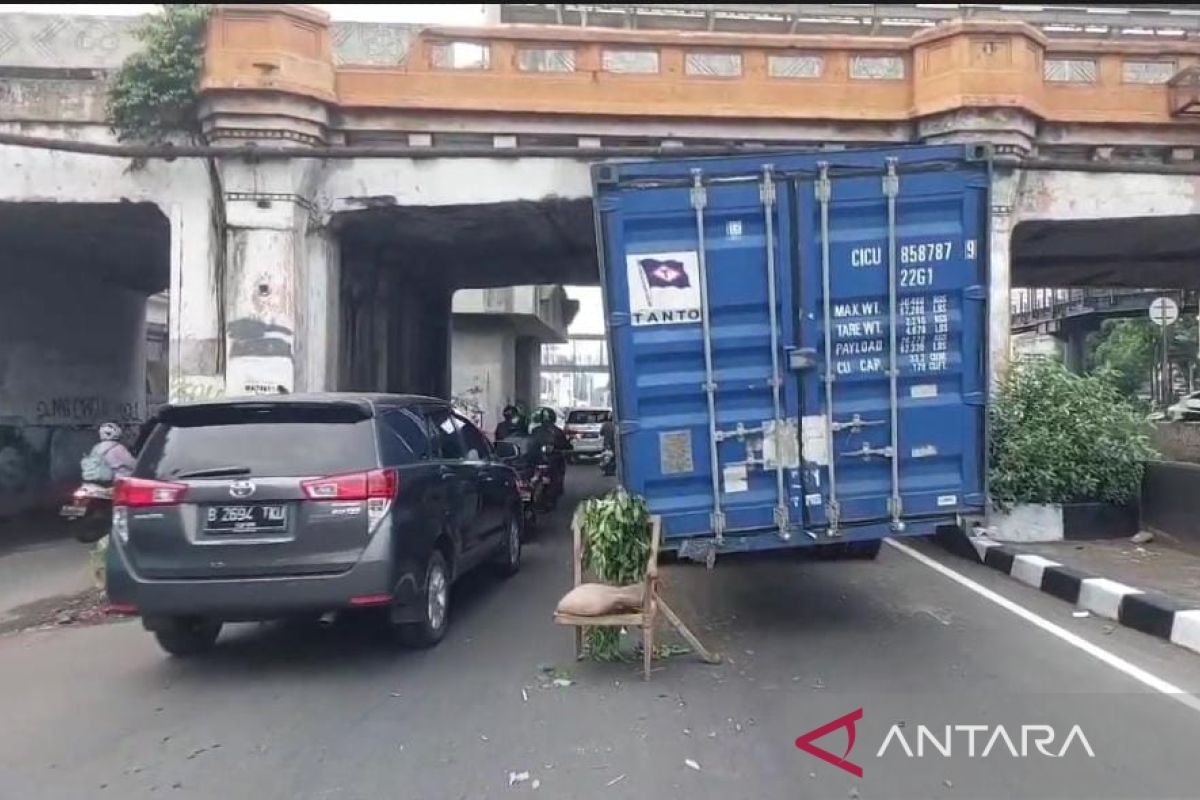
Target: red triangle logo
805,742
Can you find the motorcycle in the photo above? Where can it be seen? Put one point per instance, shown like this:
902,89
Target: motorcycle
89,513
542,493
549,476
532,476
608,463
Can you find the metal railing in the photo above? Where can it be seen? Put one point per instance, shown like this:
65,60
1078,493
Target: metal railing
1054,305
1139,21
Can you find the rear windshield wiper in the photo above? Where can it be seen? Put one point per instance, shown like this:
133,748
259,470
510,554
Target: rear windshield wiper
212,472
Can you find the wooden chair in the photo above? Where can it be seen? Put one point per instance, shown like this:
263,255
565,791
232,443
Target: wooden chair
645,618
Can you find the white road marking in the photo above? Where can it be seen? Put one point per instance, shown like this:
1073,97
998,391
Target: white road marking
1112,659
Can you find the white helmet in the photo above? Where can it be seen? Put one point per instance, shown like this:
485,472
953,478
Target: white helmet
110,432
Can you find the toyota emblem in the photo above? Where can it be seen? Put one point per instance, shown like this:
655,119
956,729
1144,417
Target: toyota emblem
241,488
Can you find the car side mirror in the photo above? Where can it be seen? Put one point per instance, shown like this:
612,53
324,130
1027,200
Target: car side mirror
506,451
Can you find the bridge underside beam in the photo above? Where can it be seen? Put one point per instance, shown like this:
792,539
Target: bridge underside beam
477,246
1158,252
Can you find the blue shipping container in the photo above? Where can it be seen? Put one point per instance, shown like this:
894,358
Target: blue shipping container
799,341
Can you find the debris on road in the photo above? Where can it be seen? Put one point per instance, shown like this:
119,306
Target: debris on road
1142,537
1080,614
524,695
553,677
692,764
537,784
517,777
948,784
616,780
395,694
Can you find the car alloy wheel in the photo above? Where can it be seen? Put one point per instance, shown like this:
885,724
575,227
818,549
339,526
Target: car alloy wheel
437,595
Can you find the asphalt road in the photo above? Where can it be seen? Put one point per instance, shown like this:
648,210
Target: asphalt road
279,712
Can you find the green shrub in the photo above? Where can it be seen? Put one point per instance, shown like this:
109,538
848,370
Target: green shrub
616,549
156,92
1057,437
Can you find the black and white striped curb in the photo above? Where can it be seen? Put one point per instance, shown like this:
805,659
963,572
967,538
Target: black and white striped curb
1149,612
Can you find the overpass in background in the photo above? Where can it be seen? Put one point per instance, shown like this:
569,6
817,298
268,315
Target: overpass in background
354,176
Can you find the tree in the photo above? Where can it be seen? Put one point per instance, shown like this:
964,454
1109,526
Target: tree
156,93
1125,348
1130,349
1057,437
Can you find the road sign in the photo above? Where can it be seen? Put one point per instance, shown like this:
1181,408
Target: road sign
1164,311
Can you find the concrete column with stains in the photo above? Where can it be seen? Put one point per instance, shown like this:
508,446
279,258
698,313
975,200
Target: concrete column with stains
193,323
281,278
1005,186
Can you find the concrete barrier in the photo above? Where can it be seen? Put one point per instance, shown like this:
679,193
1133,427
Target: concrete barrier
1171,500
1178,441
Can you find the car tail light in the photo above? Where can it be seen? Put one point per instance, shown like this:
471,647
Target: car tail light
378,484
138,493
378,487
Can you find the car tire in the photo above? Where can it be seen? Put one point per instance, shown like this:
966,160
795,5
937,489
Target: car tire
508,554
188,637
434,606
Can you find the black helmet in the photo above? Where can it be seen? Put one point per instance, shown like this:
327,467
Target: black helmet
510,412
545,415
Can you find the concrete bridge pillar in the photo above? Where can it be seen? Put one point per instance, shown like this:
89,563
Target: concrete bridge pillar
281,278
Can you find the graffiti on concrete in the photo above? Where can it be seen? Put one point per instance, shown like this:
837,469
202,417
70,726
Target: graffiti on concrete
77,409
194,388
251,337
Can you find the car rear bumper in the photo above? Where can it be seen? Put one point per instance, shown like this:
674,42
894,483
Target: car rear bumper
259,598
587,447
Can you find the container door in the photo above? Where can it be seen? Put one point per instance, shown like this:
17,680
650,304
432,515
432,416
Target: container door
700,295
894,305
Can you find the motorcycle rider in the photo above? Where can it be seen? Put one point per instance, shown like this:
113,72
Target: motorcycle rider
510,425
608,433
108,459
546,432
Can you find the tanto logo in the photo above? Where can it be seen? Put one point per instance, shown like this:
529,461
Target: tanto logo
805,742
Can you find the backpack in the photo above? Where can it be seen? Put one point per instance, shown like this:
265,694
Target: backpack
94,468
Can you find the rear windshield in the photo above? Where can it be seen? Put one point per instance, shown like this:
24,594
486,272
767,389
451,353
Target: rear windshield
262,441
591,417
